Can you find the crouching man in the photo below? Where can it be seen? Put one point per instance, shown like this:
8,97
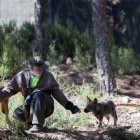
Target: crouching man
38,87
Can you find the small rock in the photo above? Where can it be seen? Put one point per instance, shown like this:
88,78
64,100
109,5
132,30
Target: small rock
69,61
125,100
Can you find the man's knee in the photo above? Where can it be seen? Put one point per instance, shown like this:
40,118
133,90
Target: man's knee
19,114
39,95
47,102
44,97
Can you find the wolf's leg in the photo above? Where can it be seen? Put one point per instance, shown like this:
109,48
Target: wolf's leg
114,115
8,121
108,118
100,121
6,111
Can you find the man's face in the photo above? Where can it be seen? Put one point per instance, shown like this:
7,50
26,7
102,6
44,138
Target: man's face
36,71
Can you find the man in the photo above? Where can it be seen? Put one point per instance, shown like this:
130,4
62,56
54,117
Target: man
38,86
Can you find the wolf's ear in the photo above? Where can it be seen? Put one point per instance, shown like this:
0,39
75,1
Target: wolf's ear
88,99
95,100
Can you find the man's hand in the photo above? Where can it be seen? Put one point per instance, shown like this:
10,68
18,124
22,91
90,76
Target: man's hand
73,108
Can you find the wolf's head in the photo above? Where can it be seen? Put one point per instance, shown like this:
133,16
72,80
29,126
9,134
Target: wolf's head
91,105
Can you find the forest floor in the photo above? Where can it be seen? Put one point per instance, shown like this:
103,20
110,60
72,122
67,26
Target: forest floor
128,116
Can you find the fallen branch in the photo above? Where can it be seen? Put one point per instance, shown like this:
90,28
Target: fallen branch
127,104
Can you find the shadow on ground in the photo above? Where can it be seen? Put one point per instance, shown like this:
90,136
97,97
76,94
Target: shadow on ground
118,133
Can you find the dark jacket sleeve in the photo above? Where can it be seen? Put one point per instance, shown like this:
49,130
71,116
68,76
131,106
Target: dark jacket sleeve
11,89
58,94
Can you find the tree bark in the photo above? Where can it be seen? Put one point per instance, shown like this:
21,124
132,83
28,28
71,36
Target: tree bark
43,17
102,56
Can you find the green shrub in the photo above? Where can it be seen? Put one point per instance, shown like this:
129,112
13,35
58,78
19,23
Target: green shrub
25,40
16,45
11,61
67,41
125,60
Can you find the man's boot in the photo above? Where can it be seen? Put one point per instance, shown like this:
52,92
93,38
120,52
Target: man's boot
35,128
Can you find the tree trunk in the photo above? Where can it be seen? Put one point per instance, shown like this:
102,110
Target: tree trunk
43,17
102,56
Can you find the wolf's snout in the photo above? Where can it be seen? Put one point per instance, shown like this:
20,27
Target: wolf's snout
85,110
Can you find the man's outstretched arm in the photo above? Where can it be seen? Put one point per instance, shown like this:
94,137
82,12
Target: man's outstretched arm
11,89
62,99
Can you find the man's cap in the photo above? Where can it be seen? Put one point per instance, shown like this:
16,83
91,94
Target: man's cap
36,61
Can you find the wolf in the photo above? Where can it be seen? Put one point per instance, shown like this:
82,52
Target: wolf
102,109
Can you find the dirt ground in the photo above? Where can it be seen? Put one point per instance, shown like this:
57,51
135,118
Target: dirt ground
128,117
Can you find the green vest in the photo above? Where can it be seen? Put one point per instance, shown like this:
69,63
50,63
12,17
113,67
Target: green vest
33,81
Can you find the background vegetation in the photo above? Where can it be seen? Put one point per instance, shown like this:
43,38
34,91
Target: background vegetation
17,45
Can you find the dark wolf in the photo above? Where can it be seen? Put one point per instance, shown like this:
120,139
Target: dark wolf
102,109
